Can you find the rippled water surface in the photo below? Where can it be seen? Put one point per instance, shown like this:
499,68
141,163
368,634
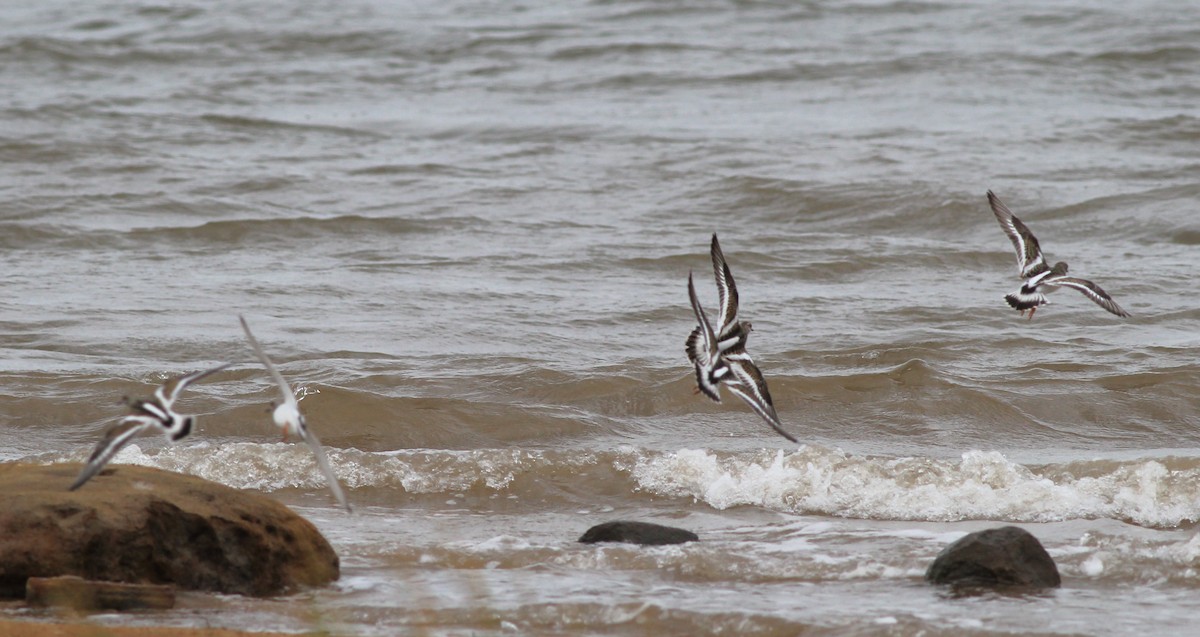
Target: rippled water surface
465,230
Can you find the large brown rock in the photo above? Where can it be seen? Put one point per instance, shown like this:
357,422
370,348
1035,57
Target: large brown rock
147,526
1007,556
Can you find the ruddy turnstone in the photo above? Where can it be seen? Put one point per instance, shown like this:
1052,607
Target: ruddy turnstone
720,357
1040,278
145,413
731,334
288,418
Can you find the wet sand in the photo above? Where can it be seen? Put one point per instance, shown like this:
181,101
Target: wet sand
17,628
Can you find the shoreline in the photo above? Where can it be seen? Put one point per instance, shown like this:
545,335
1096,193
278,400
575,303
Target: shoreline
80,627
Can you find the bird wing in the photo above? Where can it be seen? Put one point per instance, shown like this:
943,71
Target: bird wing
752,388
113,441
151,408
1030,261
702,343
727,293
170,390
323,463
1090,290
288,397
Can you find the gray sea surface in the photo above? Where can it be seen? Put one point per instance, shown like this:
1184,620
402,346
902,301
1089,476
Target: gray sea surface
464,230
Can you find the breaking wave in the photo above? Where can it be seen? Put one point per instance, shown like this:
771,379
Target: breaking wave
979,485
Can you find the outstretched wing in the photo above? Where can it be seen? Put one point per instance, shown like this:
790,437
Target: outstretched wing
1090,290
702,343
323,463
1030,261
727,294
170,390
114,440
752,388
288,397
702,349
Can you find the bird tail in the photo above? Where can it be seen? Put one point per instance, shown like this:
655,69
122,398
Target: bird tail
690,347
1023,301
705,385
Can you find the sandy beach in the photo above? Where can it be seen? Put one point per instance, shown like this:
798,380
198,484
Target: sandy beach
19,628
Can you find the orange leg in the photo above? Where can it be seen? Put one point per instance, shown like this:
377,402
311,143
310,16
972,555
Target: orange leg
1031,311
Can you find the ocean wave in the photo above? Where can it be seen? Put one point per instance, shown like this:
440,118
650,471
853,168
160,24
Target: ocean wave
1158,57
980,485
20,236
1123,558
120,51
255,231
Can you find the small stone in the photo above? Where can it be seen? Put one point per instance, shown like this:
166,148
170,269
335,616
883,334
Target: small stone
1000,557
643,533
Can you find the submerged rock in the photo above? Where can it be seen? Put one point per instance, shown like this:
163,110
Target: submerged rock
637,533
1001,557
147,526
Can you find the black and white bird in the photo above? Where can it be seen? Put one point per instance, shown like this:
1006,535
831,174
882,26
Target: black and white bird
288,418
719,356
1040,278
145,414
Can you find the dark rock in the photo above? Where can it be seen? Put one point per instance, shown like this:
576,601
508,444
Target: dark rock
1002,557
80,594
146,526
637,533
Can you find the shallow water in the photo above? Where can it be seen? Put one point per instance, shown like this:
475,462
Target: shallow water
465,230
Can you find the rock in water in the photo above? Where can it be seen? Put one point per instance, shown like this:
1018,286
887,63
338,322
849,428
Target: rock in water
146,526
637,533
1006,556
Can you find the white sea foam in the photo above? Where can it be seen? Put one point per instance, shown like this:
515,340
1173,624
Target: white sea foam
812,479
266,467
1092,566
980,485
273,466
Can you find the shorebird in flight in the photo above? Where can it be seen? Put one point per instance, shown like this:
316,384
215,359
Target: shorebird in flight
288,418
145,413
1040,278
719,356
